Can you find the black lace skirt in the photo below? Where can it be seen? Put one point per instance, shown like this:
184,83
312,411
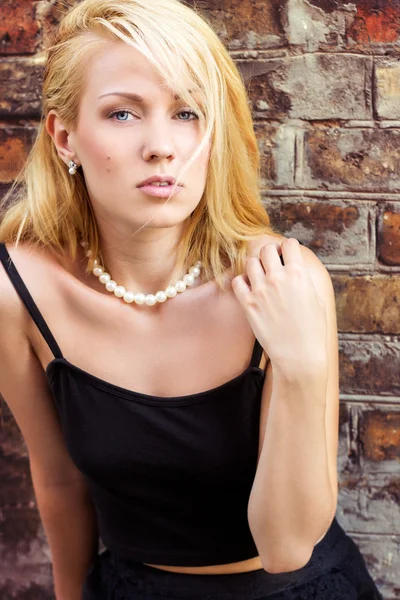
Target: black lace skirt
336,571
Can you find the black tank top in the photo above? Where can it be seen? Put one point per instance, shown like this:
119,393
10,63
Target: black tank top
170,477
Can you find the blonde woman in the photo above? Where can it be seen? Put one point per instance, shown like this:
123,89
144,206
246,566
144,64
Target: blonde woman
171,361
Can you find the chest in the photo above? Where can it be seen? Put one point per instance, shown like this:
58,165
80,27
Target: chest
114,434
191,344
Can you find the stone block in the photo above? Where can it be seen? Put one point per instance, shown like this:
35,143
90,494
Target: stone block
337,231
20,87
244,24
368,304
387,88
15,143
277,151
313,87
382,556
19,29
33,582
369,367
369,503
267,101
314,25
389,235
352,159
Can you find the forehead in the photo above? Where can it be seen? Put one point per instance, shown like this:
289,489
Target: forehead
117,66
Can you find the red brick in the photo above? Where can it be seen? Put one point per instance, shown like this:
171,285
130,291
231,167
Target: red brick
389,236
19,29
20,87
380,435
377,21
15,143
49,13
368,304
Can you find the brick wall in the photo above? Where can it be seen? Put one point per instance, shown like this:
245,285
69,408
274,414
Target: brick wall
324,81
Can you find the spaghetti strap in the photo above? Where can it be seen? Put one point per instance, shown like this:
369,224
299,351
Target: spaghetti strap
28,301
257,354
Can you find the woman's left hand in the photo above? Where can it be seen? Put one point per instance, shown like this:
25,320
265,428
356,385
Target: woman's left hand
282,306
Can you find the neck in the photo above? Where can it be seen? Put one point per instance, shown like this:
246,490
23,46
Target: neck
145,263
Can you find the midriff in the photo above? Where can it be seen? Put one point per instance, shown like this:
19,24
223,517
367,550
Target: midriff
243,566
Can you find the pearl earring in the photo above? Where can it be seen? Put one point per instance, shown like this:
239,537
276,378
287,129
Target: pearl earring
72,167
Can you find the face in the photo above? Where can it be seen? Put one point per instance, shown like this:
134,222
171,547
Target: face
131,126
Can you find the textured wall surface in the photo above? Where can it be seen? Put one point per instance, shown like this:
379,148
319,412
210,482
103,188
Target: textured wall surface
324,83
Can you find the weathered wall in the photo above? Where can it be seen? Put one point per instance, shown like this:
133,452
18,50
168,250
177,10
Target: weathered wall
324,82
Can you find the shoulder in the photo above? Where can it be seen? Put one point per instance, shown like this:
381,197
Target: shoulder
36,267
318,272
10,306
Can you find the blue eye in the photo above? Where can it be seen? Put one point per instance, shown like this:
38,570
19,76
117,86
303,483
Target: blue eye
125,114
191,113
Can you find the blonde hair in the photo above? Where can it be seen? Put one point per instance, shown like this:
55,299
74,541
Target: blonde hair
50,208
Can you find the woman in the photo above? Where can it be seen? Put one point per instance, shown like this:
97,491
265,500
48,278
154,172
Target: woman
171,360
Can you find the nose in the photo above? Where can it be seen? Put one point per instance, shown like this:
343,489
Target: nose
158,144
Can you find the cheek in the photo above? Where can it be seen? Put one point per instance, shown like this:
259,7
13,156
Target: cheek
94,151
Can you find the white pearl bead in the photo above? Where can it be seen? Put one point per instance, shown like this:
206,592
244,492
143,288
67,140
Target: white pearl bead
180,286
188,279
195,271
198,264
161,296
129,297
111,285
140,298
72,171
98,271
150,300
171,291
95,263
119,291
105,278
89,253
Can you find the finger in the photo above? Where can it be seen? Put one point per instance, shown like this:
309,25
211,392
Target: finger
255,271
241,289
270,257
291,251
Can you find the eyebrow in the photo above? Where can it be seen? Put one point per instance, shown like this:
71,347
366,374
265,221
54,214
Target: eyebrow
134,97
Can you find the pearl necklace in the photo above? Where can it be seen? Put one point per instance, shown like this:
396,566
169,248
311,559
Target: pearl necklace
140,298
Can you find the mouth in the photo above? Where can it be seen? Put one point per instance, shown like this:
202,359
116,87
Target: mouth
159,190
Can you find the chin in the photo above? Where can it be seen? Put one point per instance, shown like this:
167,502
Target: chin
171,217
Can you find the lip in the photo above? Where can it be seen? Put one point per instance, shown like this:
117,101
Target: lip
162,178
160,191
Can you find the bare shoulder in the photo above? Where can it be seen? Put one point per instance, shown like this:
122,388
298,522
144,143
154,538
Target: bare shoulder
319,273
254,247
12,312
24,386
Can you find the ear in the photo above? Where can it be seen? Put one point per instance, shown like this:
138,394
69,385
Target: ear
61,138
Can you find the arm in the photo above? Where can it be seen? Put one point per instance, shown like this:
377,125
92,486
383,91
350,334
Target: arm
63,500
294,495
292,502
70,524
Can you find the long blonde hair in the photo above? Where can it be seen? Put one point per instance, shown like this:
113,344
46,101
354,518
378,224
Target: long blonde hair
48,207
